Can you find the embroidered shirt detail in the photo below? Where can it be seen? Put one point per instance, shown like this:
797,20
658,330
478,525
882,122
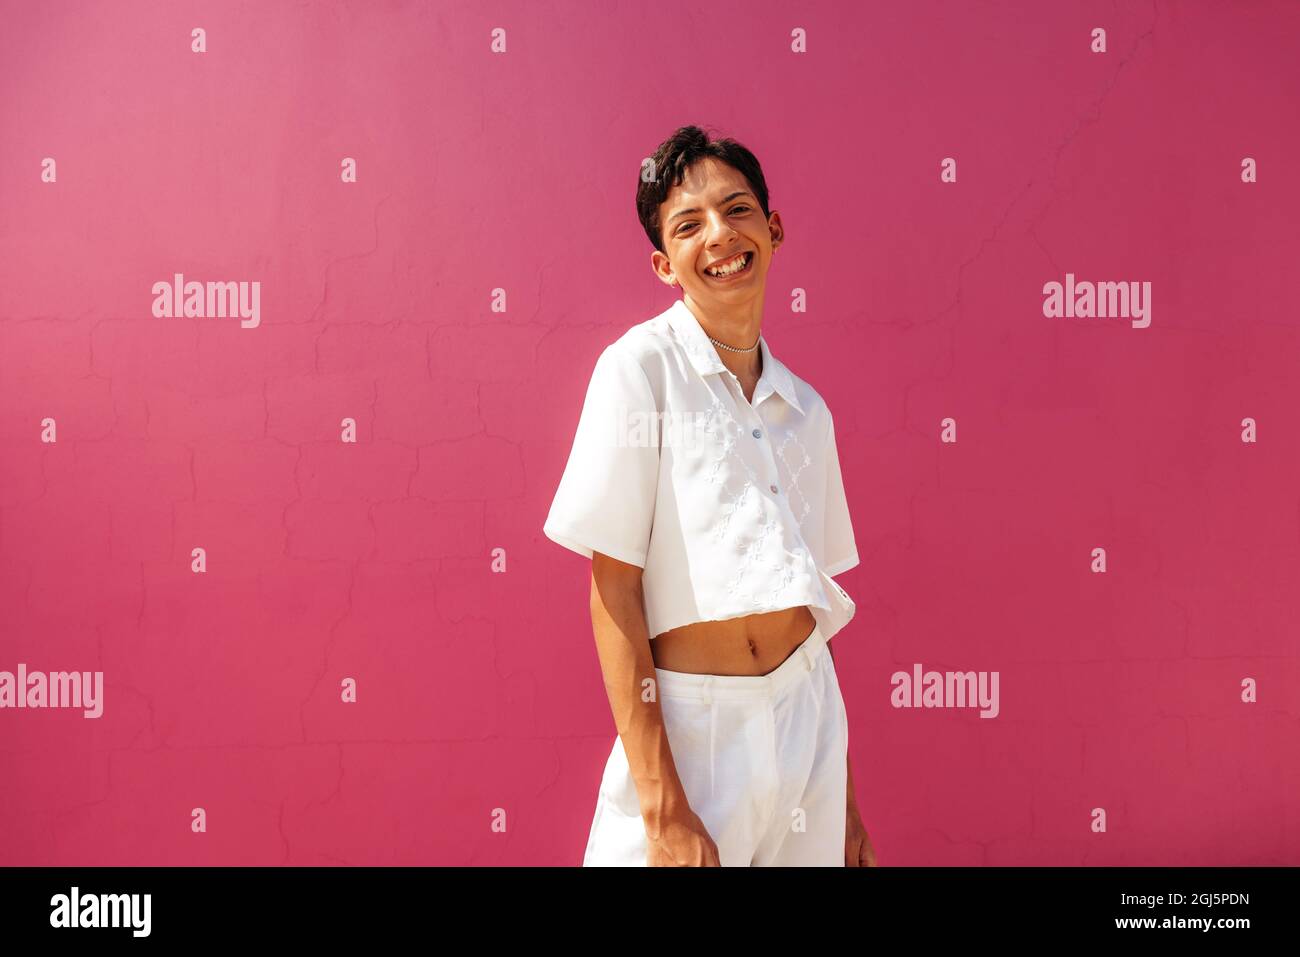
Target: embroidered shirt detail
794,456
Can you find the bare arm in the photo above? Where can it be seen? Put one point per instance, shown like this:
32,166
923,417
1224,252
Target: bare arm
623,645
858,851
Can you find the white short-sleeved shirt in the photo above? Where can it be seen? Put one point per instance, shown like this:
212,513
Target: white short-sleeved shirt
729,508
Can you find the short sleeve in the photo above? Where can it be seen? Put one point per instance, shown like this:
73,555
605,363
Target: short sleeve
839,548
606,498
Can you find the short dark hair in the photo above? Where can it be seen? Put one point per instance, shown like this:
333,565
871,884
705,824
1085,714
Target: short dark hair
674,157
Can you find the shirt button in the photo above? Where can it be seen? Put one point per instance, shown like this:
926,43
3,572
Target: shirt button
773,488
758,433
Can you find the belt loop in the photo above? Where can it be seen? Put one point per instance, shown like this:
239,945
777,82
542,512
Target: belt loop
808,656
708,698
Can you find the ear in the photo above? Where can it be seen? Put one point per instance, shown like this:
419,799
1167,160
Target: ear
776,230
662,268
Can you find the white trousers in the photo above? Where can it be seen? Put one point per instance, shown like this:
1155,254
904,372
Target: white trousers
763,761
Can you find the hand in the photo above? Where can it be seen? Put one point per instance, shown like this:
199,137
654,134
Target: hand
858,851
680,839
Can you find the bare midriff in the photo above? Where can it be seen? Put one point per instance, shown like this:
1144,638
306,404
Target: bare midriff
751,645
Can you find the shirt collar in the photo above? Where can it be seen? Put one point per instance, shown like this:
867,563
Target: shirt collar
704,356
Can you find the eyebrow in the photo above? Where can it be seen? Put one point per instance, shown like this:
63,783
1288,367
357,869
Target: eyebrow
726,199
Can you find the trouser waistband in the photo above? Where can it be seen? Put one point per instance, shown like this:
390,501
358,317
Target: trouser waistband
802,660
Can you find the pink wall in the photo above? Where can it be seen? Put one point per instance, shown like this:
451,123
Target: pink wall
480,690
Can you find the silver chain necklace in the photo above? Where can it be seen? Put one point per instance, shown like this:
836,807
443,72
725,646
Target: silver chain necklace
723,345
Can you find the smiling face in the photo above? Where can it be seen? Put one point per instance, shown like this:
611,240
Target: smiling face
713,220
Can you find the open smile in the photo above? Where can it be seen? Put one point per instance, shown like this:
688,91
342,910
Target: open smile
732,268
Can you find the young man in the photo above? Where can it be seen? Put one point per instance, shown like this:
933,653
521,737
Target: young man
704,485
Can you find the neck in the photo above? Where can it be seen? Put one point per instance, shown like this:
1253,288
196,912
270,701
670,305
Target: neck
737,326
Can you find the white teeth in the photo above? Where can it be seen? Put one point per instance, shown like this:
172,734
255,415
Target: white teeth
728,270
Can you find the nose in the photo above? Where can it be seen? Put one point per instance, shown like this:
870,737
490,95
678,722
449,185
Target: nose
718,230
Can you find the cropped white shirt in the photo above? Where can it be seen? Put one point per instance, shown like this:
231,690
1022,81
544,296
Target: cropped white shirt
730,508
